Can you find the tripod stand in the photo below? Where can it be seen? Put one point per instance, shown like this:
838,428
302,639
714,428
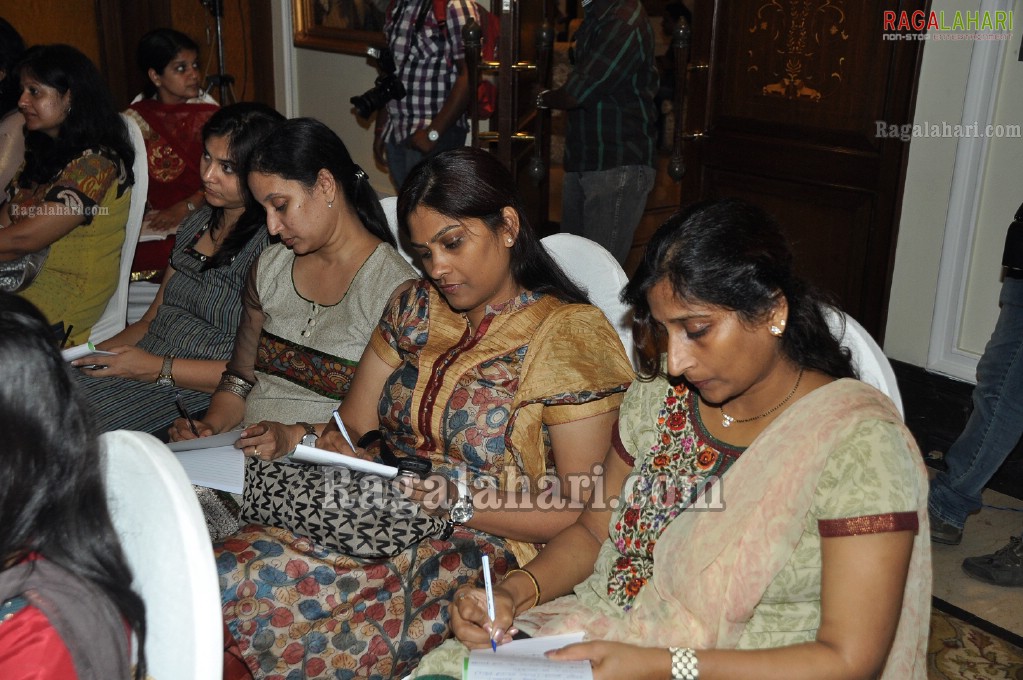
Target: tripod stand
221,80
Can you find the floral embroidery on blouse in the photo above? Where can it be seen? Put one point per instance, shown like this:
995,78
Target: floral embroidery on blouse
684,460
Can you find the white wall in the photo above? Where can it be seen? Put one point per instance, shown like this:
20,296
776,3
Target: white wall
959,197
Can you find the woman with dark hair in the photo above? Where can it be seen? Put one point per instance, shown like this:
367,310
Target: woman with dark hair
772,519
67,609
12,138
70,198
181,344
170,112
497,371
311,300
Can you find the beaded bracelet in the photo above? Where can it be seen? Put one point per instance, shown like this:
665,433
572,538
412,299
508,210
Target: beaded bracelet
234,385
684,665
536,584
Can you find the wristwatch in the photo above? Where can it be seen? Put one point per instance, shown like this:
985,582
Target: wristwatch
432,134
462,511
166,378
310,436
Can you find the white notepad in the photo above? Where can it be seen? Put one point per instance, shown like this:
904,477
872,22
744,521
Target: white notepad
525,659
308,454
213,461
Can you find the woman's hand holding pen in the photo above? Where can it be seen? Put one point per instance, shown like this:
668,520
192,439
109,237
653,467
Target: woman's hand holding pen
470,621
128,362
181,429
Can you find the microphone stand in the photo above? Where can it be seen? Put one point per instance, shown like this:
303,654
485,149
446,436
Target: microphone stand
221,80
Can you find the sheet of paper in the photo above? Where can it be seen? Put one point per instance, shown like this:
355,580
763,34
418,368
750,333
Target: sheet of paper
79,351
525,659
308,454
213,461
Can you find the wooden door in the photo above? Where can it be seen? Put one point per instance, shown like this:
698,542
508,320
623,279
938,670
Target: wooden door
515,122
783,100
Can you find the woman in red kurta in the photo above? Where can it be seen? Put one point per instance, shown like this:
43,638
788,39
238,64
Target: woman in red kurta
171,113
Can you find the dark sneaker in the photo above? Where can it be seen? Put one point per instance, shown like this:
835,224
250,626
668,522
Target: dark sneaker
1001,568
943,532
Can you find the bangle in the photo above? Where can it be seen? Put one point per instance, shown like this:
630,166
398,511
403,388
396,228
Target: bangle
536,584
234,385
684,665
539,99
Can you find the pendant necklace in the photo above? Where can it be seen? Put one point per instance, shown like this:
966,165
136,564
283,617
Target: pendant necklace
727,420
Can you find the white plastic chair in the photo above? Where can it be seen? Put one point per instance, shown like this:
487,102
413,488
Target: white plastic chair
590,265
867,356
164,537
114,317
390,207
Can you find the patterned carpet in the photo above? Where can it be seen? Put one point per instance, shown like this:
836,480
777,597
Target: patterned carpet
964,647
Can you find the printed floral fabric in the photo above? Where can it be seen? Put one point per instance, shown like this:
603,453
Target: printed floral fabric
319,372
683,460
299,610
81,270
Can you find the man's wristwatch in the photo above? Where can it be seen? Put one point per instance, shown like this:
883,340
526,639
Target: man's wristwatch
432,134
166,378
310,436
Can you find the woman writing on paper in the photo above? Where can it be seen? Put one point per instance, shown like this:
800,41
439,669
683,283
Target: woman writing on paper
494,369
771,521
67,206
181,344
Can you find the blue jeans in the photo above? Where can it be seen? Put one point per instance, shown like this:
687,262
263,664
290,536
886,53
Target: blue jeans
401,158
996,424
606,205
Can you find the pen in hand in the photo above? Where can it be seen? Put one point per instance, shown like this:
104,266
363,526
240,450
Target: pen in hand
185,414
344,432
67,335
488,584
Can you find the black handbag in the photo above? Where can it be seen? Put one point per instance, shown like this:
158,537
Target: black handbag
354,513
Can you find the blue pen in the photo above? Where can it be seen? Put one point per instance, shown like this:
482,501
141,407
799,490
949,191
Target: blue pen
490,597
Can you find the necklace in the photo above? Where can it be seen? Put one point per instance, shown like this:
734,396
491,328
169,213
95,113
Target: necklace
727,420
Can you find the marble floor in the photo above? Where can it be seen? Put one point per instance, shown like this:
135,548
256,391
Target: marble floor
985,532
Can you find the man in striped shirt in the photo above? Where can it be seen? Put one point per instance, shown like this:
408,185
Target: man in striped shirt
609,146
430,61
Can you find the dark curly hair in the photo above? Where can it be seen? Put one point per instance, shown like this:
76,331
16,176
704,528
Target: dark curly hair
733,255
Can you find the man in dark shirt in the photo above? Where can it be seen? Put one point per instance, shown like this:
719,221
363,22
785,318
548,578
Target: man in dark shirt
609,146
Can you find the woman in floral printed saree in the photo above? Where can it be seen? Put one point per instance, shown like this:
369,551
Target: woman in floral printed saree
496,370
773,522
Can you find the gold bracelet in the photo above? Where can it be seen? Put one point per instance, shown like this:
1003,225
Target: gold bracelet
536,584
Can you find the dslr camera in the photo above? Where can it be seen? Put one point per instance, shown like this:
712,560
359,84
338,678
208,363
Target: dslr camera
385,88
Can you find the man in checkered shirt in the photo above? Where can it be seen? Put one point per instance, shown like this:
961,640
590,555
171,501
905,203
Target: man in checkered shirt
430,61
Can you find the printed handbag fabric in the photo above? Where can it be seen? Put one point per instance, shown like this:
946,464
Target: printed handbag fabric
357,514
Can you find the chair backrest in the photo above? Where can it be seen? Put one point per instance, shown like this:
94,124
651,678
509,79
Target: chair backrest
164,537
113,319
868,358
390,206
592,267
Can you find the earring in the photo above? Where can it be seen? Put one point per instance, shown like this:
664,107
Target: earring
775,331
511,241
330,204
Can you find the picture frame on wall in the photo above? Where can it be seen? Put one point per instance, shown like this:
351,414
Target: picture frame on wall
345,26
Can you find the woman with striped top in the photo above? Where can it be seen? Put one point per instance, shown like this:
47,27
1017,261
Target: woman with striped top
181,344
